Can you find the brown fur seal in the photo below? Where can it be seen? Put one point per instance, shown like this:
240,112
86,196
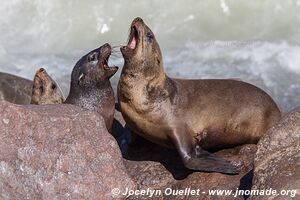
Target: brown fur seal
190,115
45,90
90,85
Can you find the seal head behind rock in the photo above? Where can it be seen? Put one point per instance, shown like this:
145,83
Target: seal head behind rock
45,90
90,85
190,115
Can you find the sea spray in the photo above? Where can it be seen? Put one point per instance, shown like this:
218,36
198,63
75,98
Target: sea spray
257,41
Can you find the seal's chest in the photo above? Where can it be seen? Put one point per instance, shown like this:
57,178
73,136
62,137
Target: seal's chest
149,124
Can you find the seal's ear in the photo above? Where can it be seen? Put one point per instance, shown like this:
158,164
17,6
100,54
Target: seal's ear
81,78
110,71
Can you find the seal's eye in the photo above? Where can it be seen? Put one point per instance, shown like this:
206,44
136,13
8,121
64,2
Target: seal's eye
150,36
92,57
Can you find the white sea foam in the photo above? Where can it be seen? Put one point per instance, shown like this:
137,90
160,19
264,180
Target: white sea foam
273,66
257,41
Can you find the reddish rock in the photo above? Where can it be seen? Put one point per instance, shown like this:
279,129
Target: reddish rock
118,125
158,168
149,174
242,156
57,152
153,166
277,162
15,89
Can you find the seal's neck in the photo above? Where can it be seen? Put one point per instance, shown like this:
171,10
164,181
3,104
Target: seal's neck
142,71
90,97
139,85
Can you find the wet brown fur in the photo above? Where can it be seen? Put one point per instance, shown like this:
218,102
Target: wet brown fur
214,113
45,90
90,85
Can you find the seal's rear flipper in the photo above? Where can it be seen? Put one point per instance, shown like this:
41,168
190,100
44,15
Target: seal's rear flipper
205,161
198,159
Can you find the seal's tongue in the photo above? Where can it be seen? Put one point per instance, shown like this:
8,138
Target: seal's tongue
132,43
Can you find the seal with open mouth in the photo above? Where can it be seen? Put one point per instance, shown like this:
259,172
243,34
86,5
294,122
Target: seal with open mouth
90,85
45,90
190,115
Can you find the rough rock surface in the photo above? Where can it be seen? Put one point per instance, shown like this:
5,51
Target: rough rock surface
277,162
118,125
15,89
57,152
158,168
242,156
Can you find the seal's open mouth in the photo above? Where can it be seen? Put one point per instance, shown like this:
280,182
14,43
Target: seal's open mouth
104,55
106,52
105,62
133,40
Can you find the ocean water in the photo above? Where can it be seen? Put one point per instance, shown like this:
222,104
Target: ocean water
257,41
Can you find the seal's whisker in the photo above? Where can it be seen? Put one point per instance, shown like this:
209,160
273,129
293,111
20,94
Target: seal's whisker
116,56
115,53
115,50
117,46
111,64
109,61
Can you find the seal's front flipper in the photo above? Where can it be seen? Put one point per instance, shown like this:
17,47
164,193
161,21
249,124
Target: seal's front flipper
205,161
198,159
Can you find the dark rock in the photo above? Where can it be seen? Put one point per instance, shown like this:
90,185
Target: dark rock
153,166
57,152
149,174
277,162
15,89
241,156
158,168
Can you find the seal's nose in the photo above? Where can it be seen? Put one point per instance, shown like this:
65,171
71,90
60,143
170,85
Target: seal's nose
138,19
106,45
105,48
